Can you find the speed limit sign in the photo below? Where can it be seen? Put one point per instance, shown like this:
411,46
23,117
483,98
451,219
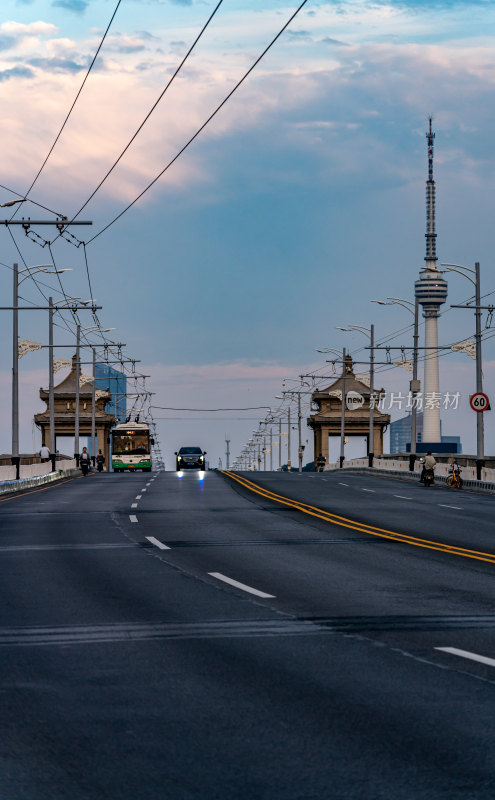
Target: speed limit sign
479,402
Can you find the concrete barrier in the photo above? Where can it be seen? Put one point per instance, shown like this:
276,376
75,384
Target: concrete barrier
36,476
400,468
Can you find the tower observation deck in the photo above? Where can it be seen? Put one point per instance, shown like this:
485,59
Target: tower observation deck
431,292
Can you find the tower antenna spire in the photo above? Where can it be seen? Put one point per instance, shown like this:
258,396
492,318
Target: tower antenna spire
431,247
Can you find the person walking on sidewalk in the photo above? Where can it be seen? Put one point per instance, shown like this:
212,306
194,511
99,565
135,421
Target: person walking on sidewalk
44,454
84,461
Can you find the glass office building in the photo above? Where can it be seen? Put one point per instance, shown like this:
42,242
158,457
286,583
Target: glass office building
106,377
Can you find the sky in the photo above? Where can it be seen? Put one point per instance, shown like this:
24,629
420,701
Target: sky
302,201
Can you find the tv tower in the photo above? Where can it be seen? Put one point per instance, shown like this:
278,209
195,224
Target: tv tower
431,292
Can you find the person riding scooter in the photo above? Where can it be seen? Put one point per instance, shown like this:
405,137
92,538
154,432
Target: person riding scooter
100,460
429,469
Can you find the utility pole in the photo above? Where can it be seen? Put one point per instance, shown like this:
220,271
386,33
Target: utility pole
227,453
288,440
342,414
93,411
371,443
264,453
280,445
51,398
414,387
478,308
15,374
76,417
271,449
300,450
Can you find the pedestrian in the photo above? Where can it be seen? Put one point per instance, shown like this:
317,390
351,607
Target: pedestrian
84,461
44,454
100,460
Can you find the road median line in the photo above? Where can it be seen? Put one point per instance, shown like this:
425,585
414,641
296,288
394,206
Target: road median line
383,533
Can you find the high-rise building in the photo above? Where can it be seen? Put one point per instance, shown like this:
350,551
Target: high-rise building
431,292
400,437
106,377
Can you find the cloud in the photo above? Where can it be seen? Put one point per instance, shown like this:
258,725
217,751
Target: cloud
336,42
121,43
77,6
19,29
15,72
7,42
57,65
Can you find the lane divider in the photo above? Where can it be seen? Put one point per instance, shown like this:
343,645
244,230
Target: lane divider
157,543
238,585
372,530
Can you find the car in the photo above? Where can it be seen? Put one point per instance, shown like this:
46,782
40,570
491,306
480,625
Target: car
190,458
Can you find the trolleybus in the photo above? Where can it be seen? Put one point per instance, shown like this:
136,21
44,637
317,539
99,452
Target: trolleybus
131,447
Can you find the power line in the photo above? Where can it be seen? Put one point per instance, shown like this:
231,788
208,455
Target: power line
153,107
75,99
203,126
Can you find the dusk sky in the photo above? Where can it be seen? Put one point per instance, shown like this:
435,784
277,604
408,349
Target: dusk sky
302,201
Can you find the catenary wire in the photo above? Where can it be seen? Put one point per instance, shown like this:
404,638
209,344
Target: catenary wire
204,125
76,98
153,107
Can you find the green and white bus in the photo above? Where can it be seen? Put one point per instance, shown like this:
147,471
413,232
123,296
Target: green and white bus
131,447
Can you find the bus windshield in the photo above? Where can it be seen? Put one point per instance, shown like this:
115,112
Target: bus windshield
130,445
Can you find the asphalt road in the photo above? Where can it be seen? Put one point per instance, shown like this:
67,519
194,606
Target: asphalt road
173,638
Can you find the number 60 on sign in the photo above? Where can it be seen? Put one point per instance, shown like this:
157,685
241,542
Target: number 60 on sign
479,402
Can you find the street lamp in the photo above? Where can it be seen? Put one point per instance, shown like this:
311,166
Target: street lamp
414,384
370,333
48,269
480,425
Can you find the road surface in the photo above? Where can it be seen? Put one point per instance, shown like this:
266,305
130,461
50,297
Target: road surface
189,637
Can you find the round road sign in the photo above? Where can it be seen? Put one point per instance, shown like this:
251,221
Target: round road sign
479,401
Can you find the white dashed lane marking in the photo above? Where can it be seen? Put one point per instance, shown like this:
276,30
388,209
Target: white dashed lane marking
134,505
157,543
238,585
457,508
402,497
133,518
138,497
343,484
368,490
466,654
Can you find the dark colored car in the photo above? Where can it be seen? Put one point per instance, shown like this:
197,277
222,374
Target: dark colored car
190,458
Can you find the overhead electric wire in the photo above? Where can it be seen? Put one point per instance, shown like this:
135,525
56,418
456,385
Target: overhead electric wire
76,98
204,125
153,107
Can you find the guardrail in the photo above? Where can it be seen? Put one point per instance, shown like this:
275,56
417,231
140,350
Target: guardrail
34,475
400,468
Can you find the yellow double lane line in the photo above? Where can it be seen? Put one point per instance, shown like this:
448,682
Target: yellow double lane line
345,522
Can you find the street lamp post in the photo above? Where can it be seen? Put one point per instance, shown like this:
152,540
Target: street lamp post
342,415
480,425
370,333
93,410
414,384
76,416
